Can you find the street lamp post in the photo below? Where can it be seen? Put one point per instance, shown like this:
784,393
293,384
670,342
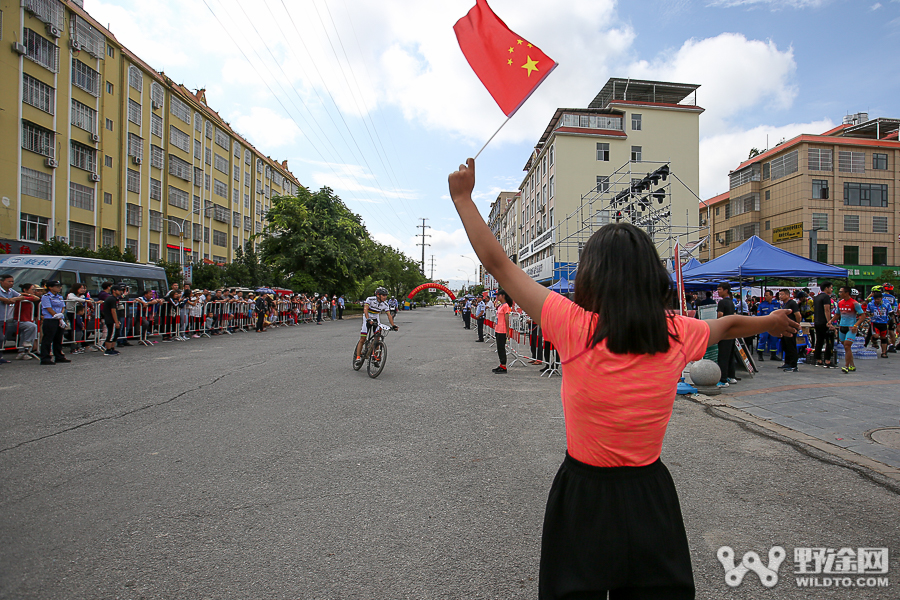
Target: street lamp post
180,244
467,279
474,264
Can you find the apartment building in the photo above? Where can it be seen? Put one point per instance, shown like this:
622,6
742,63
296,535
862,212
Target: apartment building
110,152
501,221
831,197
631,123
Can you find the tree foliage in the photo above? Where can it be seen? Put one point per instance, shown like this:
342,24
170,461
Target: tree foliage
57,247
314,243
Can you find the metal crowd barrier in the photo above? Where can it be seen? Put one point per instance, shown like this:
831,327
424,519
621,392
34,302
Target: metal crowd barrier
522,333
142,322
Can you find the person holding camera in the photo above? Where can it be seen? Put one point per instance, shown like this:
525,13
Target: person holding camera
53,311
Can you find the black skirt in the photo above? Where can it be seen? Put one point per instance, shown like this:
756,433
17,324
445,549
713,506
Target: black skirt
616,529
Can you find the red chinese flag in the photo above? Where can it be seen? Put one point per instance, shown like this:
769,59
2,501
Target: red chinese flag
508,66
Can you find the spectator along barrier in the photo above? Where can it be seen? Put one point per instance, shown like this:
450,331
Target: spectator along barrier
524,341
148,321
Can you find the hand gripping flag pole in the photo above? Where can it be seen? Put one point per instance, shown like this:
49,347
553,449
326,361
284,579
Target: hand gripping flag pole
508,65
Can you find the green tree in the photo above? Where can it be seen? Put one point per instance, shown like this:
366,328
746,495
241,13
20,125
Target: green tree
258,273
56,247
892,277
315,239
173,270
236,274
754,152
207,276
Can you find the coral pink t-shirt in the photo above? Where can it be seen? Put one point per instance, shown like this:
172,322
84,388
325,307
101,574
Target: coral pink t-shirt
500,326
617,406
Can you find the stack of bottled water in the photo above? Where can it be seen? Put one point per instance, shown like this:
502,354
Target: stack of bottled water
859,349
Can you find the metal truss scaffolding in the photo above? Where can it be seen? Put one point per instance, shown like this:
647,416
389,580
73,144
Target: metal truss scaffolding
640,198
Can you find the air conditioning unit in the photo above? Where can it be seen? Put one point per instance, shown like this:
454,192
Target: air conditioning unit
63,239
136,160
156,105
53,31
19,49
95,137
51,162
74,45
702,222
95,177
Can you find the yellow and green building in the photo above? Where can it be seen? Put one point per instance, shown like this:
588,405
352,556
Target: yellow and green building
102,150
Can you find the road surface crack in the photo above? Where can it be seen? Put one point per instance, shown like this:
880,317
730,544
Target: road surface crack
128,412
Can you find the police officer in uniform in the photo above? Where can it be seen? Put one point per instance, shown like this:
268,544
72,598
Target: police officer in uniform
479,316
467,313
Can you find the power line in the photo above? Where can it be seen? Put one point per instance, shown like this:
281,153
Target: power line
278,99
423,235
353,96
355,142
367,114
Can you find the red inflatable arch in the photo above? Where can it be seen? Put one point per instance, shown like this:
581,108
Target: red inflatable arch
435,286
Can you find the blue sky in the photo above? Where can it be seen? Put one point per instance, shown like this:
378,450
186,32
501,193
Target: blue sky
376,101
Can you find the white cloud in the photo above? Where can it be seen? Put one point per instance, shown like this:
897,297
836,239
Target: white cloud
265,128
735,74
875,6
450,248
721,153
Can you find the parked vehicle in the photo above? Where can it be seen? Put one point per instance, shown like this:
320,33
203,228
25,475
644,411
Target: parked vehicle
37,268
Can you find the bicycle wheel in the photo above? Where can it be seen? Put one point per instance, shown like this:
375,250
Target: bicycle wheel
377,359
357,364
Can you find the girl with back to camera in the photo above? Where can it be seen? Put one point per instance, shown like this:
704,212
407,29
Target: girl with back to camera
613,522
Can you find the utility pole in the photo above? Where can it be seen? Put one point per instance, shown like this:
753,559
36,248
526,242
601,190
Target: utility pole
432,267
423,235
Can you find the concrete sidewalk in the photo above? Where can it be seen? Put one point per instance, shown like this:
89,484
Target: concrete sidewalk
859,411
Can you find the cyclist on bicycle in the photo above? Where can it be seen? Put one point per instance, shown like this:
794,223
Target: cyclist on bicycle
392,304
376,304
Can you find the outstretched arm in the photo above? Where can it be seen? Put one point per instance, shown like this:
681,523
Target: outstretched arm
529,294
777,323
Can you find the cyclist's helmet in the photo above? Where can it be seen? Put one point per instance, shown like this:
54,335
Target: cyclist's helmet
876,288
854,292
381,292
888,287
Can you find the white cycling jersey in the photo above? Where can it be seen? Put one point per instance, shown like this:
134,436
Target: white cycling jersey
376,307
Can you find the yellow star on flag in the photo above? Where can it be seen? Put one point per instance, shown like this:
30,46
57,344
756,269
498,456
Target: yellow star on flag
530,46
509,62
510,49
531,65
519,42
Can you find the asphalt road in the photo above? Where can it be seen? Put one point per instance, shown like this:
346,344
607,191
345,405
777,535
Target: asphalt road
260,466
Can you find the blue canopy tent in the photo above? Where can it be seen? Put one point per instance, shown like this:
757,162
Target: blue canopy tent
757,258
563,286
691,286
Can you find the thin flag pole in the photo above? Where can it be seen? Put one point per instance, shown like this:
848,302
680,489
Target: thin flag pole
493,136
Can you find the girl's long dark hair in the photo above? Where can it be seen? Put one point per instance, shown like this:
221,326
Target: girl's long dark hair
621,278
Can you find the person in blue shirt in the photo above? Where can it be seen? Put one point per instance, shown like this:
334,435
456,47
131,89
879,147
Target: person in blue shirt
766,341
891,301
53,311
879,311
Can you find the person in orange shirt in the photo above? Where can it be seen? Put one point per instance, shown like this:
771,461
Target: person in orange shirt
501,329
613,522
